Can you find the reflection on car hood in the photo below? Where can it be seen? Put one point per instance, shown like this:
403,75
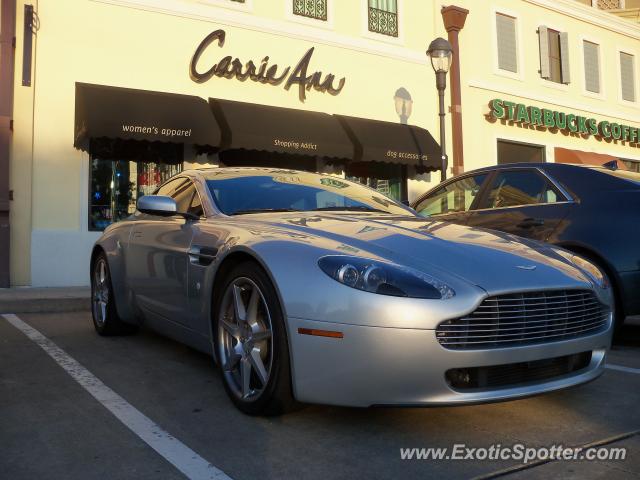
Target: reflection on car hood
488,259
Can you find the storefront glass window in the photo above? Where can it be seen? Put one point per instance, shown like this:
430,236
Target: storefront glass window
388,187
117,183
388,179
517,152
631,165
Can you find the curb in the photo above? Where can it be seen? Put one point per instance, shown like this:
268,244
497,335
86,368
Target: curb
45,305
44,300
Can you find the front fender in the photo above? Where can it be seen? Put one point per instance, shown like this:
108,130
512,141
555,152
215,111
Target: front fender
113,243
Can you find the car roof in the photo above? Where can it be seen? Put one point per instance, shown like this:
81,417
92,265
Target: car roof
533,165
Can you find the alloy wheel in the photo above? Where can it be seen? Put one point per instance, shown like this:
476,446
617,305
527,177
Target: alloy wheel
100,294
245,339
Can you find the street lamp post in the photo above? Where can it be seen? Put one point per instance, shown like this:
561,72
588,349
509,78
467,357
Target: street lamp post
440,53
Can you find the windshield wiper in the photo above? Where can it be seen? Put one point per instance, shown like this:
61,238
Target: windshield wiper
264,210
354,208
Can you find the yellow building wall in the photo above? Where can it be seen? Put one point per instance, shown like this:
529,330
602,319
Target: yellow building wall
21,168
148,45
482,81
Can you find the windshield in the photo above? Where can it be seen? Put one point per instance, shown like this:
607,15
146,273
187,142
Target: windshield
239,192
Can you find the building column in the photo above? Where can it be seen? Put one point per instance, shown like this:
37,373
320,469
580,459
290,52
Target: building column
454,19
7,53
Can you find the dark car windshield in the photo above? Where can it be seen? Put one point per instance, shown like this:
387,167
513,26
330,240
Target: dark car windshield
238,192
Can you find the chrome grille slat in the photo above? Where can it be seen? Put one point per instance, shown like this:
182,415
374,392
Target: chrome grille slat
526,318
536,330
562,302
512,340
569,304
506,298
594,316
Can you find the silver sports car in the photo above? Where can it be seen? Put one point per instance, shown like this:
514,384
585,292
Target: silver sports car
311,288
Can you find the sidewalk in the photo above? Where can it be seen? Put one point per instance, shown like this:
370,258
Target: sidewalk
36,300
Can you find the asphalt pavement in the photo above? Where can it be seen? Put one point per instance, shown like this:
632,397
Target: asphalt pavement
52,426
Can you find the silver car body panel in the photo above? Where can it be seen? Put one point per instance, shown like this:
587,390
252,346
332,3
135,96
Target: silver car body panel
389,353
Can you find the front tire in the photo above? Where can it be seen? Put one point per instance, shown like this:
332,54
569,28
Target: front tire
250,341
103,307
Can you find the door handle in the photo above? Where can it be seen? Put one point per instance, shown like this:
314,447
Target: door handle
531,222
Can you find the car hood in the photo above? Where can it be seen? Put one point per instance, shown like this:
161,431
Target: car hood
494,261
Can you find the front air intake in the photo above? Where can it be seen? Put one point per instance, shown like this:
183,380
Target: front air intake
529,318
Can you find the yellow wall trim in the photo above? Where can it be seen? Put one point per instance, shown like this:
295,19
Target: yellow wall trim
595,16
296,30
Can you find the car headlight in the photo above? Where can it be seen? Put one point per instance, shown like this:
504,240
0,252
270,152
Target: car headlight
590,269
383,278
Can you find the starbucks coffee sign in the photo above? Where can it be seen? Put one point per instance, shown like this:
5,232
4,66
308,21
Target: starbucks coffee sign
570,122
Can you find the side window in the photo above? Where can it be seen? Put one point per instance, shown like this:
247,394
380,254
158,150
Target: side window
183,195
196,206
520,187
455,197
169,188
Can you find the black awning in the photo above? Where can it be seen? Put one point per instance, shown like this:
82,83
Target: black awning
282,130
377,141
113,112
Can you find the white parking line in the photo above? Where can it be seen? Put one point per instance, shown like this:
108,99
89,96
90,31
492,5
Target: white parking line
192,465
621,368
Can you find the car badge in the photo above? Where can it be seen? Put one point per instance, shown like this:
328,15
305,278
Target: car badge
526,267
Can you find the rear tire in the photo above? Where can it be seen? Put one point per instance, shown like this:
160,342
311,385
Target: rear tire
103,307
250,342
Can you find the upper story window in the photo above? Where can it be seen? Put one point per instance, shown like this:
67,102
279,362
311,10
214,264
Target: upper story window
591,66
316,9
383,17
507,43
627,77
554,55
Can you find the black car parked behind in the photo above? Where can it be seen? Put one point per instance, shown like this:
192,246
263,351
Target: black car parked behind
592,211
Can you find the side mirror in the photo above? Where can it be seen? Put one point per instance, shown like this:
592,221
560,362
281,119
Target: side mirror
163,206
158,205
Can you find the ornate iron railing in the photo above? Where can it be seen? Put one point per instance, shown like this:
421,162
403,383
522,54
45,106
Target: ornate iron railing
381,21
316,9
609,4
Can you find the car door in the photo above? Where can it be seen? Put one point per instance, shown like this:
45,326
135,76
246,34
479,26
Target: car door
521,201
452,201
158,256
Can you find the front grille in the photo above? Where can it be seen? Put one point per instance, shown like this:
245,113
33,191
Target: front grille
514,374
526,319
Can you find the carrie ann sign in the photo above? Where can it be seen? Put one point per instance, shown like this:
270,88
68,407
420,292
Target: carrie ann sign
229,67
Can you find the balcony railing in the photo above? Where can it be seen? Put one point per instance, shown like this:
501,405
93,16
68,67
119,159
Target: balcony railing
381,21
610,4
316,9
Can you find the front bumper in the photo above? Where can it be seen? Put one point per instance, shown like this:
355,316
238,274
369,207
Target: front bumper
403,366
